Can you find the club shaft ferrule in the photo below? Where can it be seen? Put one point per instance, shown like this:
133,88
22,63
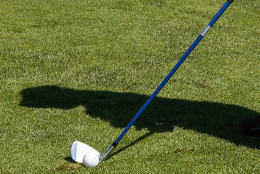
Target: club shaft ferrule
107,153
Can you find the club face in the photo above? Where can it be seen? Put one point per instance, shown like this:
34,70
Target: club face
79,149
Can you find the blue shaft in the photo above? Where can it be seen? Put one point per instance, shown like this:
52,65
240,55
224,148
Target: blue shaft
195,43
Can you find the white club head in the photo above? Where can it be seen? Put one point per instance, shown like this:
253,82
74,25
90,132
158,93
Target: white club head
79,149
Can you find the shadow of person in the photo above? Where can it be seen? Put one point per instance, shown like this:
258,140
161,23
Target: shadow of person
215,119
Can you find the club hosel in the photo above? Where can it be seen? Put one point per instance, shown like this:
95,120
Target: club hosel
230,1
109,150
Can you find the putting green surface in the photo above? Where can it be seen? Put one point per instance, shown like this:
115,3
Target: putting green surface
80,70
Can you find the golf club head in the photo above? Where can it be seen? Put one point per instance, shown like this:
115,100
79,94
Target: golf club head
79,149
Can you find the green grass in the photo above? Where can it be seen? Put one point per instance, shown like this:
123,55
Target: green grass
79,70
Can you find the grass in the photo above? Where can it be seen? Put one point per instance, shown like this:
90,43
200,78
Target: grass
79,70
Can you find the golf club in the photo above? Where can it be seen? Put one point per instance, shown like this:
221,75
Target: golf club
80,151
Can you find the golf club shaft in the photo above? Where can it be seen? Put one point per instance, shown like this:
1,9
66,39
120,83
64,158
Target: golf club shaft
195,43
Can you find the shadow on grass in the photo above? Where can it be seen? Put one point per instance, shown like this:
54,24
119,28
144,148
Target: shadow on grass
216,119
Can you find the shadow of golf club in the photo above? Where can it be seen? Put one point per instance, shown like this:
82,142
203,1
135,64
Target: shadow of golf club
215,119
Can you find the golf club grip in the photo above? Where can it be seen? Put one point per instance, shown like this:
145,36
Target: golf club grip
195,43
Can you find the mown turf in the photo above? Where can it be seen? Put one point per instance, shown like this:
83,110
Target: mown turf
80,70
